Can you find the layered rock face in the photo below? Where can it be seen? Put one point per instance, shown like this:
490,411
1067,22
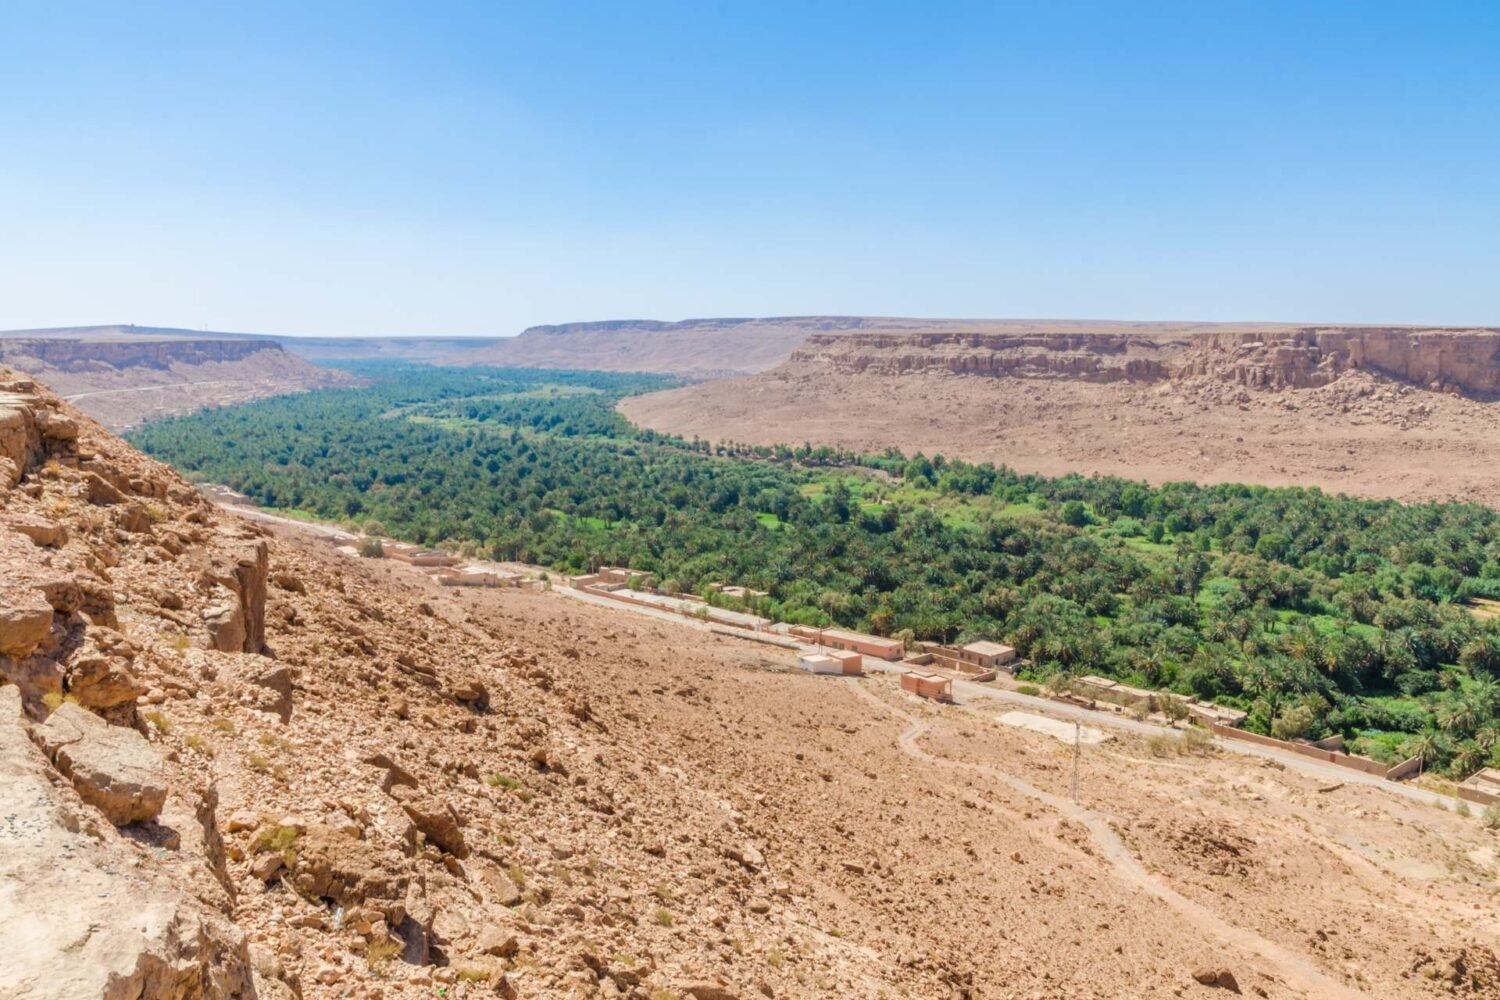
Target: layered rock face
1461,360
1102,357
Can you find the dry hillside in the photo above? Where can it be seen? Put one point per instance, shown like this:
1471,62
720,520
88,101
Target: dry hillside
240,764
1400,412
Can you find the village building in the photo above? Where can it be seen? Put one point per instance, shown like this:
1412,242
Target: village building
987,655
976,661
817,663
834,638
849,661
927,686
475,576
624,576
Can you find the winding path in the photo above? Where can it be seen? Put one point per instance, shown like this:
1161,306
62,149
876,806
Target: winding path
1296,969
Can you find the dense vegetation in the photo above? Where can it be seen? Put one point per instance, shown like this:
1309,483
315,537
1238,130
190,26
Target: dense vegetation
1316,613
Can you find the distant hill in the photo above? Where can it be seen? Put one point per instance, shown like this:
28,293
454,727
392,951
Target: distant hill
314,349
695,348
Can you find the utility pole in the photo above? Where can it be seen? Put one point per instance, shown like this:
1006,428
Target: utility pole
1077,749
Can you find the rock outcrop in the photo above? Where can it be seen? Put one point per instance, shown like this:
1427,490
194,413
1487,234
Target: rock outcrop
236,621
85,912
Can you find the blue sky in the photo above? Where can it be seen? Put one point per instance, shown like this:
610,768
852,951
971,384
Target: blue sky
472,168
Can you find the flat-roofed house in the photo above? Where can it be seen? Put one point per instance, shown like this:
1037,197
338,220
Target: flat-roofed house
987,655
817,663
837,638
849,661
927,686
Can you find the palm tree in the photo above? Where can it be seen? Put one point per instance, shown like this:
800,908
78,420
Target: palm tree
1468,758
1485,692
1426,745
1458,714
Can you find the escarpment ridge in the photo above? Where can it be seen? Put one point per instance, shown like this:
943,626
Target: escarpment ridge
1448,359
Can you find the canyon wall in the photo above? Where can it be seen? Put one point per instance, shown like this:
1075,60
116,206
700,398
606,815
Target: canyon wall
1460,360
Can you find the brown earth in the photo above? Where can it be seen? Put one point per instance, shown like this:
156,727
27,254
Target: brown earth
1385,412
123,380
377,787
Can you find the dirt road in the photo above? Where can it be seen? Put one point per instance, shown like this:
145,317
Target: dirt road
1300,972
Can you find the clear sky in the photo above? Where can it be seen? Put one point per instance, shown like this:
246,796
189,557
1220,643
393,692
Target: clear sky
472,168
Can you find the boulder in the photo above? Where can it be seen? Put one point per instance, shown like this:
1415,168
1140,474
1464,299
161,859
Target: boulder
25,620
500,890
496,941
40,530
112,767
99,681
471,693
435,819
395,774
1221,978
330,864
709,991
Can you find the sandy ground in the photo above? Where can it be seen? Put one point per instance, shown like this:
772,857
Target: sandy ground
1363,434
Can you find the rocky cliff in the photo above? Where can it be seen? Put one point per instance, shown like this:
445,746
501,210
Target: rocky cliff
1461,360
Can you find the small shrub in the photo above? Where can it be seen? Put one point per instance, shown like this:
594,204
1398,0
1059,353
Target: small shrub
663,917
223,724
1196,742
774,958
1491,817
381,950
198,743
159,722
371,548
1030,689
275,838
53,700
517,877
1462,808
505,781
473,974
1161,745
179,642
259,764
